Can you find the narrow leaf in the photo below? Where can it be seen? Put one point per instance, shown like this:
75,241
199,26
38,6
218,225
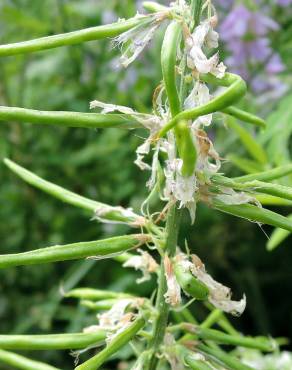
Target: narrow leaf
245,165
251,145
277,237
103,211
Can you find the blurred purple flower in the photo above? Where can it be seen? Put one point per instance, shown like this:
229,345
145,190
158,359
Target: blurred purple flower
246,35
284,2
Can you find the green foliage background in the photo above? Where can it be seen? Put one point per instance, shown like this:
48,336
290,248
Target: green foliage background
99,164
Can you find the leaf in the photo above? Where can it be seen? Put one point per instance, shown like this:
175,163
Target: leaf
245,165
277,237
102,211
250,144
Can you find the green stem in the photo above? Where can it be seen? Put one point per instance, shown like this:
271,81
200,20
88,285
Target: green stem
160,324
70,38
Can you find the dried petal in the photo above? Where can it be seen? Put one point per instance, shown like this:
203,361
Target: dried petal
145,262
173,294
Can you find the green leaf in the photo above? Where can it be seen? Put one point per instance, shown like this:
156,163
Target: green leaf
104,212
250,144
245,165
277,237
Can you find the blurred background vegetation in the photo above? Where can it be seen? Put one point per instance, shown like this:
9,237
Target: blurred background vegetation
99,164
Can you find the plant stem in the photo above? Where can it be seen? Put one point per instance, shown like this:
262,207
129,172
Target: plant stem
172,229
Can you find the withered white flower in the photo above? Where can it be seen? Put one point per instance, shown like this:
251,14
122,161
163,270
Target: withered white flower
169,351
204,35
219,295
136,39
144,262
112,318
103,210
198,96
173,294
206,152
151,122
229,196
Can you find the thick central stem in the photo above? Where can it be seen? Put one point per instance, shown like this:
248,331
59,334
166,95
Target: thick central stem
172,230
168,62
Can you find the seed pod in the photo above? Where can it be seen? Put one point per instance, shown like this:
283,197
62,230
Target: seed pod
73,251
256,214
221,357
186,146
197,364
168,64
268,175
236,88
68,119
51,341
244,116
70,38
23,363
95,294
187,149
190,284
117,343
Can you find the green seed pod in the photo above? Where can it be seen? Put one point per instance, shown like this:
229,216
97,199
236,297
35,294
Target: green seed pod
73,251
67,119
244,116
186,147
168,64
95,294
51,341
190,284
114,346
70,38
236,88
254,213
20,362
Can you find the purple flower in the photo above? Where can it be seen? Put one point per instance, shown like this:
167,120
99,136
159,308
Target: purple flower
246,35
284,2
